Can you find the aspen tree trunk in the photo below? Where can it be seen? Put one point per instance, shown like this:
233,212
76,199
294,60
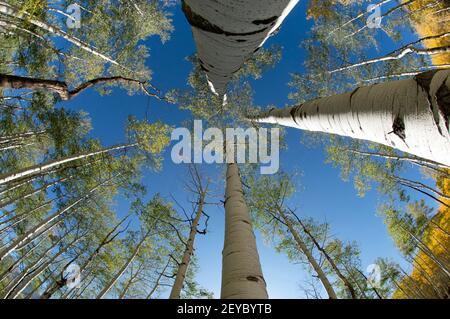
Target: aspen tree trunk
34,191
36,169
182,268
57,285
20,136
61,88
124,268
330,261
13,147
413,160
409,115
13,221
13,12
37,272
130,282
28,269
405,3
400,53
29,179
228,32
242,276
40,228
16,263
375,290
158,280
425,274
304,249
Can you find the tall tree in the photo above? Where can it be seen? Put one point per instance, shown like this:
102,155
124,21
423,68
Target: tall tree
370,113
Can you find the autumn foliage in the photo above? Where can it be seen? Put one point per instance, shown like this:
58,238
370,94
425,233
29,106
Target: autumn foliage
427,279
433,20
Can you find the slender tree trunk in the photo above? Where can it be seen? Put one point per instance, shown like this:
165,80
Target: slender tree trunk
36,169
330,261
312,261
359,16
29,179
34,191
37,272
28,269
40,228
16,263
375,290
10,11
20,136
61,88
242,276
409,115
158,280
409,74
405,3
13,221
58,284
124,268
417,161
189,250
14,147
400,53
130,282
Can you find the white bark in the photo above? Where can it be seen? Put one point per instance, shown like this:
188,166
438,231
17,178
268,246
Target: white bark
27,270
37,272
308,254
359,16
124,268
10,11
175,293
40,228
410,115
34,191
6,178
109,238
242,276
228,32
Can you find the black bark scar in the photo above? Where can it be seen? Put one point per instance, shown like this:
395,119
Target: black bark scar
398,127
443,102
424,81
265,21
198,21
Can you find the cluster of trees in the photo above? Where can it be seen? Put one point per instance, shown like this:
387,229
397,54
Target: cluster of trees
58,184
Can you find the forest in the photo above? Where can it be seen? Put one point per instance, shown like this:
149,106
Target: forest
226,149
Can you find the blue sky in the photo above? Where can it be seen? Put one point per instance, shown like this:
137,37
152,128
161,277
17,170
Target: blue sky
323,195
